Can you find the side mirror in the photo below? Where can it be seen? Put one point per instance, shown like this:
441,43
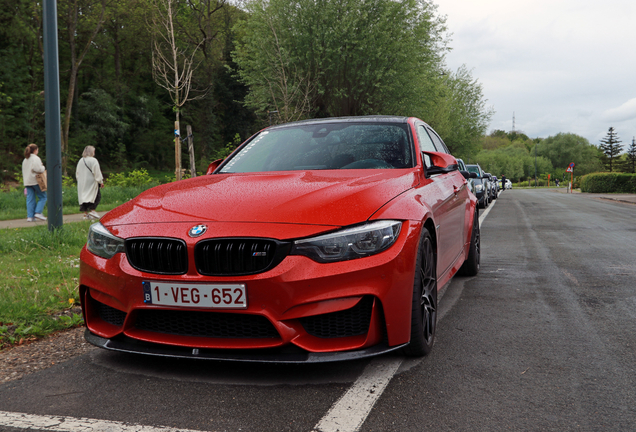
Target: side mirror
469,175
442,163
214,165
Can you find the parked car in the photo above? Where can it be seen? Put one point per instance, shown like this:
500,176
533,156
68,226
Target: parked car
469,176
482,186
507,186
318,240
492,195
495,186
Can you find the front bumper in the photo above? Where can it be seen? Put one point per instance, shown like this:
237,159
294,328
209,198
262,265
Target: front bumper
293,355
294,302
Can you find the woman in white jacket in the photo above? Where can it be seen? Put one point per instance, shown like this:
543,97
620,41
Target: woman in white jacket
32,165
89,181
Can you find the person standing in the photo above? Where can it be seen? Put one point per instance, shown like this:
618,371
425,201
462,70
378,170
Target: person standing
32,165
89,181
503,182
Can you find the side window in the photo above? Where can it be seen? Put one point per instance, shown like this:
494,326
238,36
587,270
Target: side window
441,147
426,144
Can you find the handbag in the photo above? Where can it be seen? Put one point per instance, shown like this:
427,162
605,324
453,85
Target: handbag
41,179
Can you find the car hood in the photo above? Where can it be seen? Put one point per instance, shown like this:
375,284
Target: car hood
332,198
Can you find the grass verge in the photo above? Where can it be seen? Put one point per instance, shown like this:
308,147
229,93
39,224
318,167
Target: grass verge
39,272
13,203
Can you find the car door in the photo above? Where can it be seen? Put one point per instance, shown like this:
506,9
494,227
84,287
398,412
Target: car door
450,211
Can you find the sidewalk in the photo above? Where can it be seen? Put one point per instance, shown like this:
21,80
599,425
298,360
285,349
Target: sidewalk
22,223
625,198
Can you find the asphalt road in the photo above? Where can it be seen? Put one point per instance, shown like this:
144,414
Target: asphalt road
543,339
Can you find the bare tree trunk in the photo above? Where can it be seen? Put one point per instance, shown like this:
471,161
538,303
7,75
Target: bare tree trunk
190,138
172,67
177,149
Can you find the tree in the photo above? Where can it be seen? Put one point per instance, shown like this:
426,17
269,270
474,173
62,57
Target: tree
462,116
21,82
319,58
565,148
611,148
83,20
630,164
172,64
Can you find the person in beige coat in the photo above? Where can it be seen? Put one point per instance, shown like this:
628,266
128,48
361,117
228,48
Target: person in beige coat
89,182
32,165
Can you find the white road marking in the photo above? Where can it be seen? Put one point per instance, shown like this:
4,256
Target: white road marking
483,214
348,414
71,424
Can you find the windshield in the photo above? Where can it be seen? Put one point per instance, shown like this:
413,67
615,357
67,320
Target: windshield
325,146
473,169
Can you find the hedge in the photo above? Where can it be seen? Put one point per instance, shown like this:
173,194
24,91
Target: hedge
609,183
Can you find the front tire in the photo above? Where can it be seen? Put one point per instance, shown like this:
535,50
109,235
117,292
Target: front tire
424,304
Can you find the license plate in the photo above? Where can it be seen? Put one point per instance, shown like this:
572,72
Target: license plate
215,296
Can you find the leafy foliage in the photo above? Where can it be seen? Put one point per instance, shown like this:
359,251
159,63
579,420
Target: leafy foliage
609,183
565,148
513,154
309,58
629,165
136,178
461,115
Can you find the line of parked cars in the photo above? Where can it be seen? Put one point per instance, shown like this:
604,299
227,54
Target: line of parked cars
485,184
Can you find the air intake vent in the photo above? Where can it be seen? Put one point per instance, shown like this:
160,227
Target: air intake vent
205,324
110,315
350,322
158,255
231,257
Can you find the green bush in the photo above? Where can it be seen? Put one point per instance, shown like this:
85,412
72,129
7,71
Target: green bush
136,178
609,183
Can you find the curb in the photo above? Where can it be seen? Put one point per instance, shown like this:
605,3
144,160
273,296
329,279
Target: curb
22,223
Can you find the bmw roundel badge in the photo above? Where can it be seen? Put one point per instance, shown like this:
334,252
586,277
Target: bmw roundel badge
198,230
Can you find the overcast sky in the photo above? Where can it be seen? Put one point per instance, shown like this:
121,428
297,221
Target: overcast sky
559,65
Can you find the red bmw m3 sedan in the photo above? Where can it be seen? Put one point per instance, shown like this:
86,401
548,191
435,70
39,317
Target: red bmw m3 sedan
314,241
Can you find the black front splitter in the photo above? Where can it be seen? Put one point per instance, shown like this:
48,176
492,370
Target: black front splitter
293,355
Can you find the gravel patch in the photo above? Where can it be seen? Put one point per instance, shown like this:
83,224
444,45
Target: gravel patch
22,360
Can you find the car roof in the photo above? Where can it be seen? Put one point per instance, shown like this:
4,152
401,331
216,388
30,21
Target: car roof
352,119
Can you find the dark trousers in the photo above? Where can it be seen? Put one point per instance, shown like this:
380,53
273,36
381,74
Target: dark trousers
86,207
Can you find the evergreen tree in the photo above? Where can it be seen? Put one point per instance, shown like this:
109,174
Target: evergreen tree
611,148
630,164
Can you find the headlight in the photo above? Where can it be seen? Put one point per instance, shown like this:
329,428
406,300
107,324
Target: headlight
350,243
479,187
102,243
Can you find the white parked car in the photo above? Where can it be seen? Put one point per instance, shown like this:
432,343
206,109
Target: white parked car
508,184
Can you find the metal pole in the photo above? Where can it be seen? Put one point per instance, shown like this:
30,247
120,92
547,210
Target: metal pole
535,164
52,118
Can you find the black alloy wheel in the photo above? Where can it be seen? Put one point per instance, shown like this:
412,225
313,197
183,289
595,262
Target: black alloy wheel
424,305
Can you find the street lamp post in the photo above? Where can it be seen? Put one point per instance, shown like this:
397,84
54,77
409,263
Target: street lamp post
535,164
52,114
